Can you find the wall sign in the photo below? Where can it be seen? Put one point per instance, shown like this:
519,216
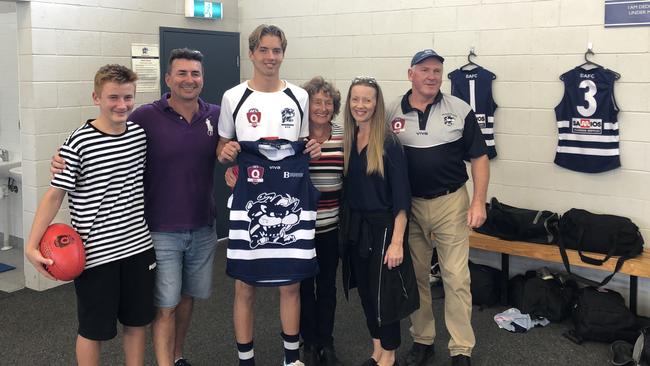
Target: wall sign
203,9
621,13
145,61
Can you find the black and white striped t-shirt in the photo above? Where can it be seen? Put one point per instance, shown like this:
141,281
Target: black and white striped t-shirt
104,180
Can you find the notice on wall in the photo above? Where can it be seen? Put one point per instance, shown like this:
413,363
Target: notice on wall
623,13
145,61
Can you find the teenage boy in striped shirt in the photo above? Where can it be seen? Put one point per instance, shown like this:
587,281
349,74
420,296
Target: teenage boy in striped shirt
105,160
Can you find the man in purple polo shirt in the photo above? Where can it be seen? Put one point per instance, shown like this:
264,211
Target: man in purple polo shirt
179,206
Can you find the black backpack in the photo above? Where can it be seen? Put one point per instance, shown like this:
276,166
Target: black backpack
601,315
550,298
485,285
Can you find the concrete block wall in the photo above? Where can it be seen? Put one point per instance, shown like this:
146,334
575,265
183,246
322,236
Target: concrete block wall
528,44
61,45
9,79
9,113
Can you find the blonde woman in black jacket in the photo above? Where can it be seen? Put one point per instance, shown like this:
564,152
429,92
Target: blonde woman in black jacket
377,198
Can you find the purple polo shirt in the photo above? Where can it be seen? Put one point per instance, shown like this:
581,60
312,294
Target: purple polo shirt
180,165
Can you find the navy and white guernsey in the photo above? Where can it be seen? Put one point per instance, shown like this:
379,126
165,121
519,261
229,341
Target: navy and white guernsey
587,121
475,88
272,215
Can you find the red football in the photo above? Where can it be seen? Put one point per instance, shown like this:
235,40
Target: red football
63,245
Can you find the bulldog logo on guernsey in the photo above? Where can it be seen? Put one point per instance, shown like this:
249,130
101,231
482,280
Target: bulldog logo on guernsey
254,117
398,124
272,217
255,174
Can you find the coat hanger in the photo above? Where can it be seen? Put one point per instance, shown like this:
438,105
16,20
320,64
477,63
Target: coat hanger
469,60
588,62
471,63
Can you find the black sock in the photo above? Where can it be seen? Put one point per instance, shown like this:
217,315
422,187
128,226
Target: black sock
291,347
246,354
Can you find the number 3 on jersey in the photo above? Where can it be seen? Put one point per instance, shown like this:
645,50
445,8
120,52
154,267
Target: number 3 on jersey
589,98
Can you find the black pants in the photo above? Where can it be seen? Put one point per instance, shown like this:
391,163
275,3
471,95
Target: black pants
389,334
318,294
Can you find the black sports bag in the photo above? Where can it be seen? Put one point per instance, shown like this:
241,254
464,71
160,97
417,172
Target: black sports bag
514,223
609,235
550,298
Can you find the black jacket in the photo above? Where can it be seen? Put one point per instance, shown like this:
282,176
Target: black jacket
395,289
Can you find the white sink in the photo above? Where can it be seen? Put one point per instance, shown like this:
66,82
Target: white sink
16,173
5,166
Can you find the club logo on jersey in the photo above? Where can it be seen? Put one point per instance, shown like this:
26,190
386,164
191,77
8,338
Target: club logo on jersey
288,115
481,119
255,174
398,124
254,117
588,126
272,217
448,119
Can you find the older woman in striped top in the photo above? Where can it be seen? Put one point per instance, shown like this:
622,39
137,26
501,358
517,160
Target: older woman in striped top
318,294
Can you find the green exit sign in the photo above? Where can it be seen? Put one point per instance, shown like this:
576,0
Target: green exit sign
203,9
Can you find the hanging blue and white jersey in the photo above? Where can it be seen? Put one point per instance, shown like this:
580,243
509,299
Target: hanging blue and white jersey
475,88
587,122
272,215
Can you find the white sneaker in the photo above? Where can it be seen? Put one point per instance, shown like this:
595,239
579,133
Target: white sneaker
294,363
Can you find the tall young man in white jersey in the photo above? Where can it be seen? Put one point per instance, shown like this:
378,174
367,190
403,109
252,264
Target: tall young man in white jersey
265,107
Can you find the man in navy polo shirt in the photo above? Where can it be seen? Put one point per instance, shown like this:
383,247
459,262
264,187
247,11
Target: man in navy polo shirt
438,131
179,206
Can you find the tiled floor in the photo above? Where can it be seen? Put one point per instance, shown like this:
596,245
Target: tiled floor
14,279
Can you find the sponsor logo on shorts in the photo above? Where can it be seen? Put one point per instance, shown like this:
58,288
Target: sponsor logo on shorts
152,265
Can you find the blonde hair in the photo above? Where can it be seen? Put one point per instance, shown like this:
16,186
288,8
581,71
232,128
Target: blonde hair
266,30
113,73
378,130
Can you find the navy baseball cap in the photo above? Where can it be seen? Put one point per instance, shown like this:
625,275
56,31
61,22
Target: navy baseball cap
425,54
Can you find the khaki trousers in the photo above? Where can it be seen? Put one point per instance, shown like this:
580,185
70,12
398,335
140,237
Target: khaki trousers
445,219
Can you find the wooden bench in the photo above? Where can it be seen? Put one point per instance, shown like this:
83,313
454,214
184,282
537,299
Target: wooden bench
634,267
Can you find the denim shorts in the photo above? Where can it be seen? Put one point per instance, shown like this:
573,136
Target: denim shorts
185,261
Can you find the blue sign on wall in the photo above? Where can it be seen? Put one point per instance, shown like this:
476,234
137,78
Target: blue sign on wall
203,9
621,13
